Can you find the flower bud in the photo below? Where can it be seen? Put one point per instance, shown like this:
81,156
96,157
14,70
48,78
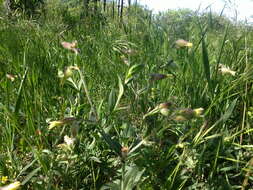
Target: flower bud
182,43
198,112
187,114
124,152
164,108
61,122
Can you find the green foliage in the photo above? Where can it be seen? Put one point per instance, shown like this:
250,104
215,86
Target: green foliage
29,7
127,105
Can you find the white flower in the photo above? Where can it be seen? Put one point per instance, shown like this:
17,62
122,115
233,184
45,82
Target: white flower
226,70
11,77
69,141
67,145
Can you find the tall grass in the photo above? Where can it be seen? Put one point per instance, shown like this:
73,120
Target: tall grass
109,104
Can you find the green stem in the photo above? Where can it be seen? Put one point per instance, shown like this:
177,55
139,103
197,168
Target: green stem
88,94
123,175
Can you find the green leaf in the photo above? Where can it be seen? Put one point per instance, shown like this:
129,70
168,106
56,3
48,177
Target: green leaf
95,159
99,109
222,119
221,50
30,175
26,167
206,61
73,84
132,177
113,144
21,86
112,100
132,72
229,111
121,92
112,186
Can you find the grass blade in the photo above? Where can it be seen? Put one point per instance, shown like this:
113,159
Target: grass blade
206,61
121,92
21,86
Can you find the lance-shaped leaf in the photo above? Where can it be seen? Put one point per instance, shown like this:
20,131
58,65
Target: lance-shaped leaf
112,100
121,92
113,144
206,61
132,72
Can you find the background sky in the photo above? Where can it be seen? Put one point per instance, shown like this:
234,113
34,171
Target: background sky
244,8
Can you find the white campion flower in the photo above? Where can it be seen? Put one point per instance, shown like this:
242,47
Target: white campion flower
11,77
69,141
226,70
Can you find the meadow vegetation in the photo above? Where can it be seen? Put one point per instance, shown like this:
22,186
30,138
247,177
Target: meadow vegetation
92,99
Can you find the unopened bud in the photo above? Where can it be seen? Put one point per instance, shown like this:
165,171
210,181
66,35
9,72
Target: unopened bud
124,152
182,43
164,108
198,112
